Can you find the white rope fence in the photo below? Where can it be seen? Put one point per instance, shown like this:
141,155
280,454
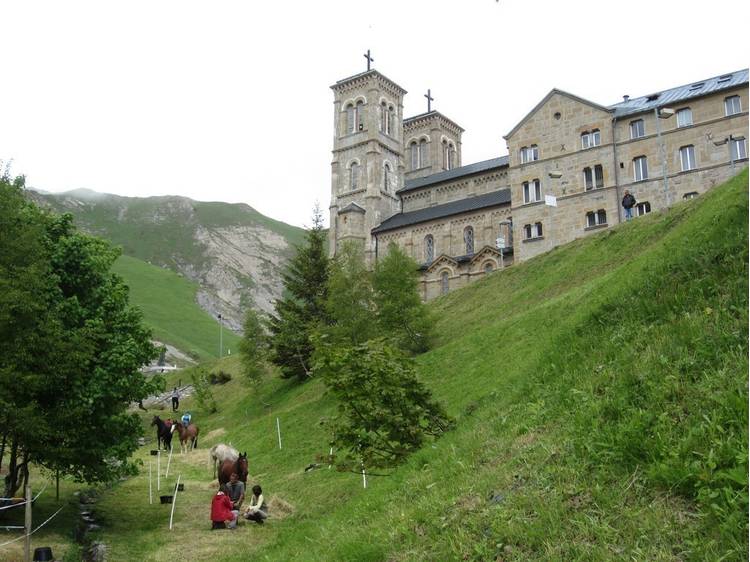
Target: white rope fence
24,502
34,531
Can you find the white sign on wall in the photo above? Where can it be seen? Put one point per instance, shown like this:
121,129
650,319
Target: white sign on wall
550,200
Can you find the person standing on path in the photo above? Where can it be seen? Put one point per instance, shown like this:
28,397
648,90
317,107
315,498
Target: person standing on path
628,202
175,399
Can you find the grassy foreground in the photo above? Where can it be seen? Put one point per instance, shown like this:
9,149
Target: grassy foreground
601,398
168,303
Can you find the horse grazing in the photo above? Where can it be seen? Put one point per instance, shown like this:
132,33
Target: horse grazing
220,453
163,433
187,433
228,467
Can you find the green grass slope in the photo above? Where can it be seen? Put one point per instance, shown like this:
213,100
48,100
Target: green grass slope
169,307
600,392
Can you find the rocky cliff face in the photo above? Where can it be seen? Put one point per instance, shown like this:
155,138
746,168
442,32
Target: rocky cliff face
233,252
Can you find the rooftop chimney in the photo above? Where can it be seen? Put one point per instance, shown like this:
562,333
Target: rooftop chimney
625,97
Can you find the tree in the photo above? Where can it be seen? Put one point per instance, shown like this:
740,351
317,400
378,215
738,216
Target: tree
253,346
350,304
385,412
302,309
71,348
401,313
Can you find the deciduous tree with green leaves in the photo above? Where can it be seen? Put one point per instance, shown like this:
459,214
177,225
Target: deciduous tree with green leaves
402,315
71,348
302,309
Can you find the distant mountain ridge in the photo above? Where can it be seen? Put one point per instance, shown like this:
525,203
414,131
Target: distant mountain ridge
232,251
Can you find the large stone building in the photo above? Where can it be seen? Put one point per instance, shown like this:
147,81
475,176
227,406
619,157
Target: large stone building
396,180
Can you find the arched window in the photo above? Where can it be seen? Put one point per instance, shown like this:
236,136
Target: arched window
423,154
360,111
444,283
389,120
349,118
387,178
488,267
353,176
469,240
414,156
383,117
429,248
450,157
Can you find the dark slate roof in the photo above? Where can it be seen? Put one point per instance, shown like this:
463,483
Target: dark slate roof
455,173
400,220
681,93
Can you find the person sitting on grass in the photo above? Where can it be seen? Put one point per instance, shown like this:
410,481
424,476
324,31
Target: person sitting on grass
222,514
257,511
235,490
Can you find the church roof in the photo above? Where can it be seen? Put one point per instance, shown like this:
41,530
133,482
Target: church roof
430,115
367,74
447,175
493,199
352,207
680,93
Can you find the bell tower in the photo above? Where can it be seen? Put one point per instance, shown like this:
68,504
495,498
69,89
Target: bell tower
368,159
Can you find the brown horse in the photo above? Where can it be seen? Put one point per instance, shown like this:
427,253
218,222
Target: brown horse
228,467
187,433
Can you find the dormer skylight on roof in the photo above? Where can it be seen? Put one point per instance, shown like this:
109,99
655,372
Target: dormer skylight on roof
697,86
652,97
724,78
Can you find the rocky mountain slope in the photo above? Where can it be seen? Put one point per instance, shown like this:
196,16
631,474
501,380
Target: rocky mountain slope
232,251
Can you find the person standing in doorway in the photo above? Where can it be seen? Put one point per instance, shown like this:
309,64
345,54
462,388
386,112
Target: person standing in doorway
175,399
628,202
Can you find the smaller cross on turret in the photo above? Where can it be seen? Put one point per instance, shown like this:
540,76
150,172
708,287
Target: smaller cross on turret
429,99
369,59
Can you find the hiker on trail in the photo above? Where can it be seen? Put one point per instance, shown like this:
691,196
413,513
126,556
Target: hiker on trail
175,399
628,202
222,514
257,511
235,489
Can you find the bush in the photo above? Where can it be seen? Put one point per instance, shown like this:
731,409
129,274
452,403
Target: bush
222,377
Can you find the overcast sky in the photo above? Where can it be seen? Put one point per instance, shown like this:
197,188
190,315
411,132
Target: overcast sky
230,101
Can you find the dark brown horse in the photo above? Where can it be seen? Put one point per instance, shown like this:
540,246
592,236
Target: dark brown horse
163,432
189,433
228,467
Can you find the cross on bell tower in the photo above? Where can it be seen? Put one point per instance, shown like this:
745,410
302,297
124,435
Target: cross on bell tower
429,99
369,59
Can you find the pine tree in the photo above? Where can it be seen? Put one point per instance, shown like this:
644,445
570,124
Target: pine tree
253,346
302,309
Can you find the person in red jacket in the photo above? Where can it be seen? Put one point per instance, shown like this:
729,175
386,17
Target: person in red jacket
222,513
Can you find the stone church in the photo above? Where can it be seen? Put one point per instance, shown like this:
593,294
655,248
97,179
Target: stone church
401,180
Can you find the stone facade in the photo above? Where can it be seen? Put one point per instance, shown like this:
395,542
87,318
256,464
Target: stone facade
450,218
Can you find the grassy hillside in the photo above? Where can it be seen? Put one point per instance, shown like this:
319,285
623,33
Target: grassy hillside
601,398
169,308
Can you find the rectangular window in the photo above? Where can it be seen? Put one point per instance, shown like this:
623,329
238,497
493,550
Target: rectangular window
596,137
642,208
532,191
599,175
524,154
732,105
534,152
640,169
687,158
585,141
684,117
738,148
637,129
532,230
588,178
596,218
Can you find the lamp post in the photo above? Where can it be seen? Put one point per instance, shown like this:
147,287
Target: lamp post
221,337
663,113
